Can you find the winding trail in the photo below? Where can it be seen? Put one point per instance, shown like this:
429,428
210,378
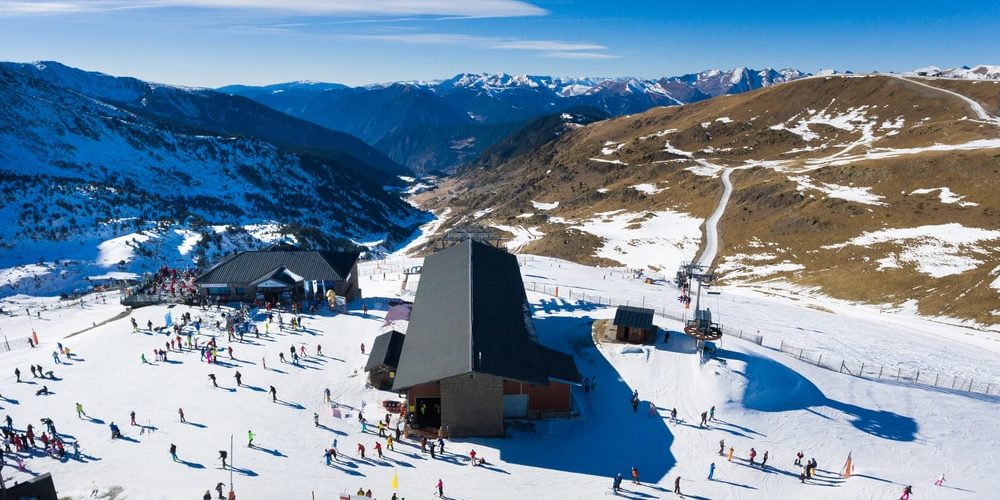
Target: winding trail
976,107
712,223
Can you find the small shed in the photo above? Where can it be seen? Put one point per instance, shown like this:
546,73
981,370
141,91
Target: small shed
383,359
633,324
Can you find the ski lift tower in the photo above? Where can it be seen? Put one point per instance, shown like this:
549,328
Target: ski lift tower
701,326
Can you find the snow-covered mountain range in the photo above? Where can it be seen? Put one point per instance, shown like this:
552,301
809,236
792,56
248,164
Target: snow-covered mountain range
441,124
978,72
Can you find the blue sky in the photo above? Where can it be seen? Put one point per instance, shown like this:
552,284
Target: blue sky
218,42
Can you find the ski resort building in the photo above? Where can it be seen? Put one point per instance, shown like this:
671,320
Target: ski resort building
281,272
633,324
470,357
383,359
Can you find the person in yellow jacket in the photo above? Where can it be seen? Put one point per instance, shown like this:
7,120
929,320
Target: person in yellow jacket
730,457
388,442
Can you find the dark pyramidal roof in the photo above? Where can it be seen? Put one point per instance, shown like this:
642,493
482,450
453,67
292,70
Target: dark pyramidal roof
471,314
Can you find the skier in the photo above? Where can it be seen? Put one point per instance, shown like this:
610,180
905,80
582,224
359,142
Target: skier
635,404
173,451
115,431
635,475
316,419
763,461
132,417
239,379
250,437
711,413
940,480
326,395
180,412
17,373
211,376
440,488
711,470
704,417
616,484
677,485
722,447
730,456
798,458
222,456
79,411
907,491
753,455
362,348
361,450
274,394
218,488
388,443
673,414
378,448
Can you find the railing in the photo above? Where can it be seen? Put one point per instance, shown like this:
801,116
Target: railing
860,369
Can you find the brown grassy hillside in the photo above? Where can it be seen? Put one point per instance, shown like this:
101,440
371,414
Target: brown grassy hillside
825,161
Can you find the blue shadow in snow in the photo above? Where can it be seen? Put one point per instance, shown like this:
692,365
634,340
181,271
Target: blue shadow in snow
774,387
607,438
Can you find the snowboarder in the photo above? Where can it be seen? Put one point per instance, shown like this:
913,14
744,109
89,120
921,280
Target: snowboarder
250,437
218,488
115,431
711,471
222,456
753,455
180,412
173,451
907,491
274,394
635,475
677,485
940,480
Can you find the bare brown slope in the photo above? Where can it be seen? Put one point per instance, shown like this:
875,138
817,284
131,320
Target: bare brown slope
808,139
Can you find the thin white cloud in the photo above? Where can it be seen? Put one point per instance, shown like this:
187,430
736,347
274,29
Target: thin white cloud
425,38
578,55
546,48
547,45
461,8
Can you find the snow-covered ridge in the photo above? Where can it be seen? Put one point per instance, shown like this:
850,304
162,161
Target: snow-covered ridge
978,72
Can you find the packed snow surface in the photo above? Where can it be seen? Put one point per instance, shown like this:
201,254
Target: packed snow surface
861,195
897,434
946,196
656,240
540,205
